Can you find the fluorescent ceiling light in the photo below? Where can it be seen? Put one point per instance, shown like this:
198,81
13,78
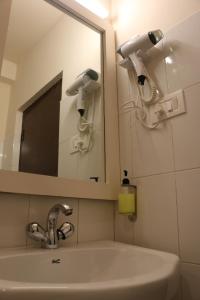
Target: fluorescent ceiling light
95,7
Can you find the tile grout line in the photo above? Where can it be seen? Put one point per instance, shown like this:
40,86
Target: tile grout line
191,85
190,263
165,69
177,214
168,172
176,191
187,170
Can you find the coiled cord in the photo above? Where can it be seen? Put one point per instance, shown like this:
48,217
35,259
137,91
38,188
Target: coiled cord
154,92
142,103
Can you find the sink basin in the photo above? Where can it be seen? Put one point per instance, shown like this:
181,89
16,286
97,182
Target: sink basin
90,271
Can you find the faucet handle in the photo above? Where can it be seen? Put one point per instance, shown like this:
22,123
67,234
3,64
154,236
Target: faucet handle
65,230
36,232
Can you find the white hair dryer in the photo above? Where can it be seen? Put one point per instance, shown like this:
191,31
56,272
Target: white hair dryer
137,45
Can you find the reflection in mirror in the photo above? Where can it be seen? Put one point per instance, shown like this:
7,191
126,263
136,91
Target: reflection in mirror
51,117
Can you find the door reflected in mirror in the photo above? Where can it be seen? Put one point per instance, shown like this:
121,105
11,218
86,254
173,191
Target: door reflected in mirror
51,94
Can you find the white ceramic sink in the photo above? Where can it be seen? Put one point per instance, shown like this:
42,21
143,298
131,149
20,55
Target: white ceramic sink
92,271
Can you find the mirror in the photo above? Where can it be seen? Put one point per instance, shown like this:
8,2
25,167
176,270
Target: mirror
51,95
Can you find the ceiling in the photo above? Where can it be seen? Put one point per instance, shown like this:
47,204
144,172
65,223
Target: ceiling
29,21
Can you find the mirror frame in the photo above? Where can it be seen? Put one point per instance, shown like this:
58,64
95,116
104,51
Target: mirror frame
26,183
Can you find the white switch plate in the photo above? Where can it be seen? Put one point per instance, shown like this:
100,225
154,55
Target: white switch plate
172,105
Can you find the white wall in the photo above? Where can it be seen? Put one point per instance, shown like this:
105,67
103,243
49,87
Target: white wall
165,162
70,47
5,91
106,4
132,17
5,6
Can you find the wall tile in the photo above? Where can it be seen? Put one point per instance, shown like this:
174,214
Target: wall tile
122,84
178,295
126,153
174,146
93,219
124,229
156,225
39,208
186,138
184,67
188,195
190,281
14,217
152,150
96,220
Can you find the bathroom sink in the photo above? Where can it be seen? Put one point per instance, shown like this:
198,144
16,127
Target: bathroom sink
89,271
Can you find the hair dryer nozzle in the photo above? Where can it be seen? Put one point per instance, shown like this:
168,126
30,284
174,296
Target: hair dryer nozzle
155,36
92,74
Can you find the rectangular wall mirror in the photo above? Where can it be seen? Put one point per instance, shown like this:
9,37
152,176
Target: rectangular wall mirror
51,93
58,117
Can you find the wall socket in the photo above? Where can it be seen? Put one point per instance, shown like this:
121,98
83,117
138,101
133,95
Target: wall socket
170,106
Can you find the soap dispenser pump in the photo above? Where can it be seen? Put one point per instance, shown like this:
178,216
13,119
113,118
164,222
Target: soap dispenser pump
125,180
127,197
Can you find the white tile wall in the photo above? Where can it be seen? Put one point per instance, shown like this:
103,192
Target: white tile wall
126,150
190,281
93,219
166,161
13,218
156,225
124,229
188,195
152,150
122,84
184,51
186,136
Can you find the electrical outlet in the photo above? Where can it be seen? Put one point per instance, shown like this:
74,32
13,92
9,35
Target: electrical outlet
171,105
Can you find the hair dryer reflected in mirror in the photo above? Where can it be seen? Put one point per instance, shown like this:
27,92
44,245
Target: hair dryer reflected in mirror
85,84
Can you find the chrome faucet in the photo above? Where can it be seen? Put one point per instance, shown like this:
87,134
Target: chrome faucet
49,238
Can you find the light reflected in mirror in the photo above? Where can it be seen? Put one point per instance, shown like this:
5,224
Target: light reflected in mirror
51,117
